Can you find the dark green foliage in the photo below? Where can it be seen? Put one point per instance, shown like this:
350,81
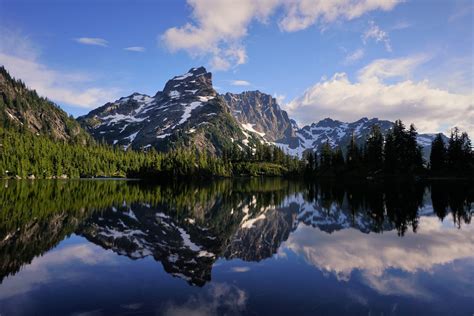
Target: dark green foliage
460,156
326,156
354,155
398,154
24,154
23,109
402,153
438,155
374,150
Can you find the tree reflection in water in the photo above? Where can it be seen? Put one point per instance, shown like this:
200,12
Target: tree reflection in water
187,227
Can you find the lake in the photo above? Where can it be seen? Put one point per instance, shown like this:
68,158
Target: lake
241,247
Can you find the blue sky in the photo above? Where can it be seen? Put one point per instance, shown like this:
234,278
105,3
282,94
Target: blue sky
380,58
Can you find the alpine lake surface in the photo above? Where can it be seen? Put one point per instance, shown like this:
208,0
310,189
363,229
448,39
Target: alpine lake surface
236,247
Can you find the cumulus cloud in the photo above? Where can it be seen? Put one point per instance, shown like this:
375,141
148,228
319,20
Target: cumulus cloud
376,33
219,26
384,89
92,41
240,83
20,58
138,49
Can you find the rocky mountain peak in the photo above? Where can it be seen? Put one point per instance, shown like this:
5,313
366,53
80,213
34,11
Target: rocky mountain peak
197,81
187,113
260,112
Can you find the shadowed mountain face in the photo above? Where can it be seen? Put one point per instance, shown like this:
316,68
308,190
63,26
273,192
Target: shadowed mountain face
188,227
187,113
258,111
21,107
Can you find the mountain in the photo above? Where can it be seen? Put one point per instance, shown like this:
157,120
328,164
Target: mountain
190,113
187,113
339,134
21,107
260,112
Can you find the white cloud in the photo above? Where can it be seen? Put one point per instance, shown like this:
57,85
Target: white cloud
92,41
376,33
20,58
280,98
345,251
354,56
390,68
216,299
138,49
240,83
431,109
219,26
40,271
304,13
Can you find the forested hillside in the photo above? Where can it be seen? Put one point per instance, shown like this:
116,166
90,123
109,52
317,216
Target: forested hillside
22,108
24,154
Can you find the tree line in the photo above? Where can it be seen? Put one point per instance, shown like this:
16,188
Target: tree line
396,153
24,154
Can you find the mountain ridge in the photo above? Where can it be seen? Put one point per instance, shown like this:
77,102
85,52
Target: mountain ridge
188,112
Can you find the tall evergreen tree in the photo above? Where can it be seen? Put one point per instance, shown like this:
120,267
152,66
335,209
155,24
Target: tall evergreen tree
438,155
326,156
402,152
374,149
353,154
460,155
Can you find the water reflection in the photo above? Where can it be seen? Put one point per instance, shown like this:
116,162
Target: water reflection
362,231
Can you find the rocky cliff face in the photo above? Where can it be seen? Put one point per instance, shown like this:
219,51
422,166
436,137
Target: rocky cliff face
21,107
187,113
260,112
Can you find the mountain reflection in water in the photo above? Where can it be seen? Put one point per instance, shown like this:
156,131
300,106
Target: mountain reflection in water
363,230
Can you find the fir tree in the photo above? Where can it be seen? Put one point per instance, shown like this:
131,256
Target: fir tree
438,155
374,149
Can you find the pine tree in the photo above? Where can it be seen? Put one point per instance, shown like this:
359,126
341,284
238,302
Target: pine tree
354,156
438,155
326,156
310,162
460,155
374,149
337,163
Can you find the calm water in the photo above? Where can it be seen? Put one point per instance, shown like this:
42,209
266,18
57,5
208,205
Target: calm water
236,248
